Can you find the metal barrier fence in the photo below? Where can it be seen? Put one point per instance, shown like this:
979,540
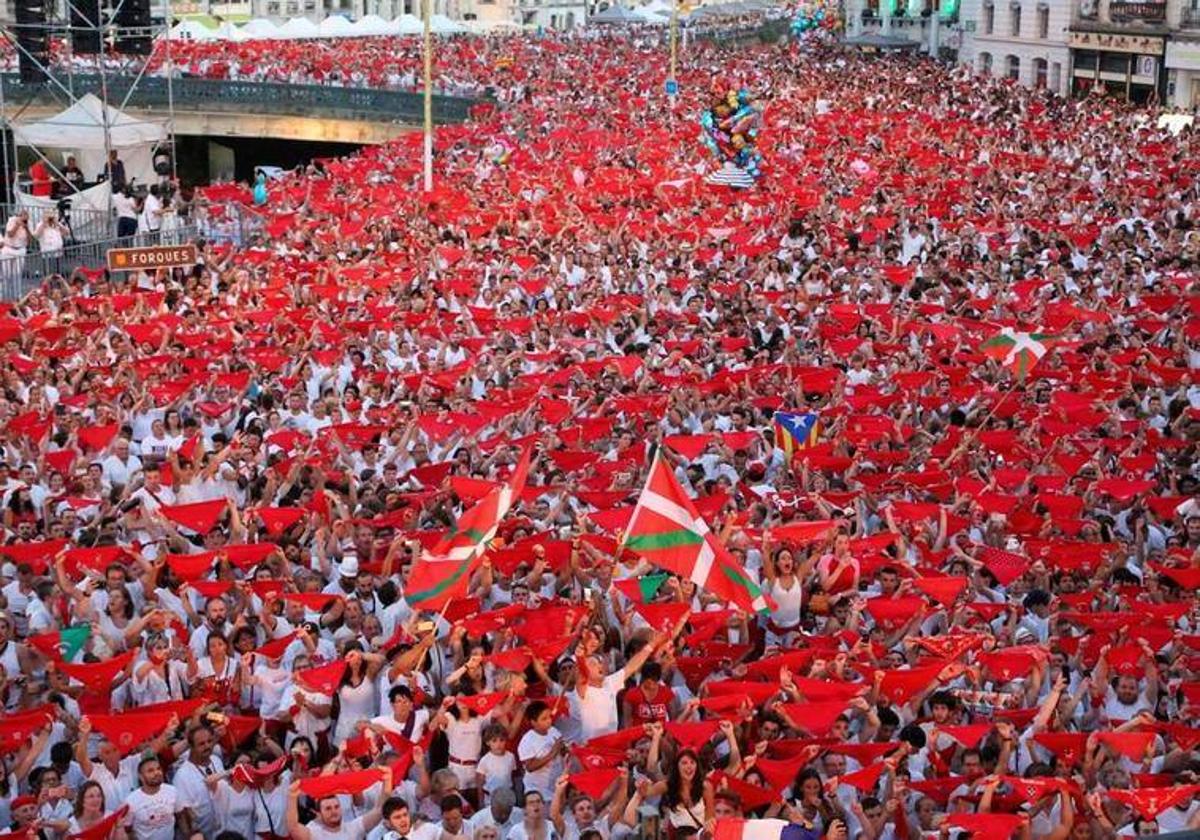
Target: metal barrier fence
84,223
20,275
216,95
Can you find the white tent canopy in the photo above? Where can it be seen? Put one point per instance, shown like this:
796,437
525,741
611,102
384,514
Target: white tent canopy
442,25
79,130
372,25
408,24
336,26
260,28
192,30
228,31
299,27
649,15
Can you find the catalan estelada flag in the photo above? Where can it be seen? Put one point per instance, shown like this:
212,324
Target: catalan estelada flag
794,432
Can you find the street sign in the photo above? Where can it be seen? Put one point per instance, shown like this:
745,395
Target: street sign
672,87
158,256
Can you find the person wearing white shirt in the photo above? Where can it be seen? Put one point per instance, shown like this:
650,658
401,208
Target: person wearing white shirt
329,824
541,750
155,807
191,779
116,776
404,719
120,468
594,701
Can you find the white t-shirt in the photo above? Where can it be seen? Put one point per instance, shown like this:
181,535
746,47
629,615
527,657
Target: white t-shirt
352,830
532,746
497,770
152,817
194,794
518,832
234,810
116,789
597,711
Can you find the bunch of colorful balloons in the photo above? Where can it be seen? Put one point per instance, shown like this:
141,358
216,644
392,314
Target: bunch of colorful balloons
813,16
729,129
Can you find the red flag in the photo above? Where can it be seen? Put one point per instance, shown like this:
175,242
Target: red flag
129,730
314,601
98,676
901,686
238,728
256,777
694,735
1150,802
944,590
200,517
481,704
275,648
102,829
277,520
1132,745
189,567
662,617
16,729
622,739
1004,565
752,796
1070,747
816,718
865,779
354,782
969,734
596,759
595,782
939,789
985,826
323,679
894,612
779,773
95,438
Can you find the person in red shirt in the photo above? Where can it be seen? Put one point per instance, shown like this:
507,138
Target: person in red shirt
649,700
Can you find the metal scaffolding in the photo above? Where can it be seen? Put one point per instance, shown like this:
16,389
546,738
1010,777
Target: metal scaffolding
64,22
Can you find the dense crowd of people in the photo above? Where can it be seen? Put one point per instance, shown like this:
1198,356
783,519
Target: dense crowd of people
982,617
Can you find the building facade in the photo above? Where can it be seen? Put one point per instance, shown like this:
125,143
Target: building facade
1024,40
932,24
1140,50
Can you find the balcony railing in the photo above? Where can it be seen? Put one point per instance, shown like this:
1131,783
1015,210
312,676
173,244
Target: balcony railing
215,95
1189,18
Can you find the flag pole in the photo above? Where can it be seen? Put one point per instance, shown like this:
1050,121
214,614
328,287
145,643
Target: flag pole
966,442
674,41
428,58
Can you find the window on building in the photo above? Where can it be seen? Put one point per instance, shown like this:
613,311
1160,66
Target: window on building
989,19
1113,62
985,63
1040,73
1056,77
1013,68
1043,23
1016,21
